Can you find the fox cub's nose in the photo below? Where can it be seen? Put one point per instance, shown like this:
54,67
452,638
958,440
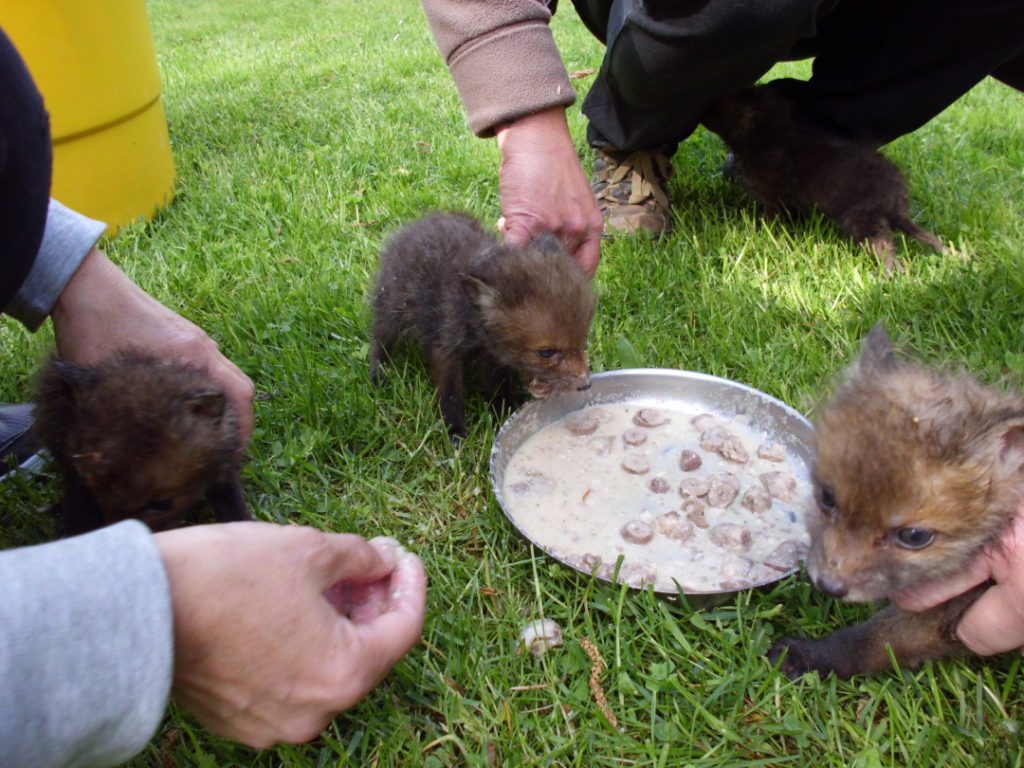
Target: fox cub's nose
831,585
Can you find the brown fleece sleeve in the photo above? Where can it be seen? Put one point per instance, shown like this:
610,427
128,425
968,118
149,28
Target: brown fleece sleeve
502,57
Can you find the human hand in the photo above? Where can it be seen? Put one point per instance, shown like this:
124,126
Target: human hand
101,311
995,623
279,628
543,187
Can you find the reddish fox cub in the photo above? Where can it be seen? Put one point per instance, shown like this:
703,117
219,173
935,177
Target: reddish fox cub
916,473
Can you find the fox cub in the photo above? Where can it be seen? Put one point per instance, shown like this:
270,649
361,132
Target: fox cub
138,437
916,472
448,286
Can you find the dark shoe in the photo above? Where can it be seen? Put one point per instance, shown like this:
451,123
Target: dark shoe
630,190
19,449
731,171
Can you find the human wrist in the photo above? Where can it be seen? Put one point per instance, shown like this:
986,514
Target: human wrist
96,274
177,549
548,127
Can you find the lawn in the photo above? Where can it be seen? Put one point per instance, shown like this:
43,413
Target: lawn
304,131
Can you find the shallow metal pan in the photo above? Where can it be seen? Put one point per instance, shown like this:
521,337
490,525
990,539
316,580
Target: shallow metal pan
659,388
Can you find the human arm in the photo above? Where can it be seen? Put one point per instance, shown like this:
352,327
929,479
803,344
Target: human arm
514,85
502,57
96,309
85,649
94,629
995,623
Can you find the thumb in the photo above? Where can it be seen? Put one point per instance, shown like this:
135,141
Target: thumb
995,623
393,632
347,557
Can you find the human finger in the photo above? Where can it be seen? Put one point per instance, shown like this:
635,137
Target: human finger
583,245
519,230
346,557
395,631
240,392
364,600
995,623
588,254
929,594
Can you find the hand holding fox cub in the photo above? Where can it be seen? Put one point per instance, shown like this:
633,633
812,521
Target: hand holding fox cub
995,623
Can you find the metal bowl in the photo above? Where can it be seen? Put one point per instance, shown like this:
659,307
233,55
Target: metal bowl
660,388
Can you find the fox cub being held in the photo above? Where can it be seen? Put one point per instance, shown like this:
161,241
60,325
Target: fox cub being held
916,473
450,287
137,437
793,167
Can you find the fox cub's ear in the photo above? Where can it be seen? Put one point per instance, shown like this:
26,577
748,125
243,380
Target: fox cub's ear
1009,441
70,377
484,295
876,353
58,394
206,404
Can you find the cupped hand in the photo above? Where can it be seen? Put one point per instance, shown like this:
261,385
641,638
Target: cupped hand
543,187
995,623
279,628
101,311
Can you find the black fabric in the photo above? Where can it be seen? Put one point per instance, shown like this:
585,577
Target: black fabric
666,60
1012,73
25,169
882,67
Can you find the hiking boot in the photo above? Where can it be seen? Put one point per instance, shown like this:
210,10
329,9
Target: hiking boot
19,448
630,191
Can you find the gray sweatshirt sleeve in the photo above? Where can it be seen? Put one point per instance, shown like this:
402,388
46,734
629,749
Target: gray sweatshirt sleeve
67,240
86,648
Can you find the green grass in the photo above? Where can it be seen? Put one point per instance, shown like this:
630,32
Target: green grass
303,132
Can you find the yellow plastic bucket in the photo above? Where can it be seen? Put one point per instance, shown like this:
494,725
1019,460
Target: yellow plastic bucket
95,64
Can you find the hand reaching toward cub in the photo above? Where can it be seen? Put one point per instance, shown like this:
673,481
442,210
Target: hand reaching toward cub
277,629
543,187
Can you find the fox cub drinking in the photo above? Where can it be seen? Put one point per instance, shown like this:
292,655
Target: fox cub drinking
137,437
795,168
450,287
916,472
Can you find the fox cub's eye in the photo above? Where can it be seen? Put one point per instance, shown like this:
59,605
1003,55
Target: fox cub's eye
547,352
914,538
826,499
161,505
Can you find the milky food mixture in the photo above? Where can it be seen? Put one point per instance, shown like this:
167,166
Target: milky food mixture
688,498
